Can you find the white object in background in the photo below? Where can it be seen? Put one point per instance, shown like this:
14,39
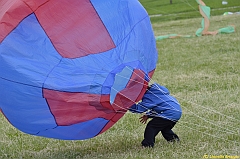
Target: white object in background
224,2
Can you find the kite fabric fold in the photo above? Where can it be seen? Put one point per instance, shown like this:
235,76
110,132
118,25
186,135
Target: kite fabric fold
205,23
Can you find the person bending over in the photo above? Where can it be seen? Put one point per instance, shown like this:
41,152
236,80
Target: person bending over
164,111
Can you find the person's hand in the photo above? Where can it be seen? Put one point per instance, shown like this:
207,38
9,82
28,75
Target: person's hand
143,119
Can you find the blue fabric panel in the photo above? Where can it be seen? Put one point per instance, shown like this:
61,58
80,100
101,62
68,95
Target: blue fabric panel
140,47
126,18
137,34
77,131
23,58
120,82
25,107
86,74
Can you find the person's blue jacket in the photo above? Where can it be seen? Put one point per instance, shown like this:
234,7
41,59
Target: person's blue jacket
157,102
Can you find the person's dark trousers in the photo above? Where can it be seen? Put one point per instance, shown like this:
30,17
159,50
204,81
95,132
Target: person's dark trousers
156,125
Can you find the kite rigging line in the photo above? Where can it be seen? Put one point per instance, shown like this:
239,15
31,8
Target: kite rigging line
222,129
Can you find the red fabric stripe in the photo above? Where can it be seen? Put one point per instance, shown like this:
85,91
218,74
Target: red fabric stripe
150,74
11,14
34,5
74,28
71,108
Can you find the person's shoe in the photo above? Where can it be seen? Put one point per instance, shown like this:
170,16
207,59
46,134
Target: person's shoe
174,140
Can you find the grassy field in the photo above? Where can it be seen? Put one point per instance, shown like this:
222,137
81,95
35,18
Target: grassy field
182,9
202,73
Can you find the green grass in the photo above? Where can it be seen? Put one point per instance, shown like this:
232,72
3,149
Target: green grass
202,73
182,9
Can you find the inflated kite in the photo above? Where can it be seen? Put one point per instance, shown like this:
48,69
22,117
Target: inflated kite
70,69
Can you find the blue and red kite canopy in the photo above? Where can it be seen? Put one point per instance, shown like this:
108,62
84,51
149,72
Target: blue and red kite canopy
70,69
